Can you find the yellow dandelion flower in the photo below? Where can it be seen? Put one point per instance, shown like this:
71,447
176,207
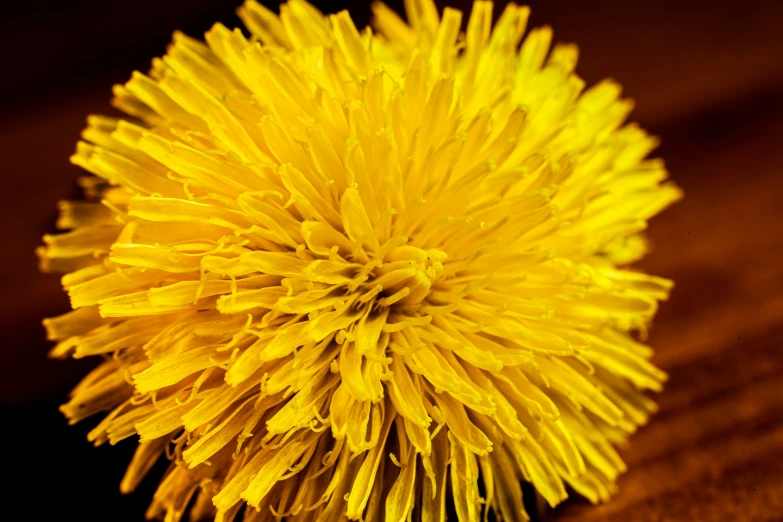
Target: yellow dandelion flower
350,274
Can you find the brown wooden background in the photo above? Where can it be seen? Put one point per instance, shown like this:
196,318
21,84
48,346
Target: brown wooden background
707,78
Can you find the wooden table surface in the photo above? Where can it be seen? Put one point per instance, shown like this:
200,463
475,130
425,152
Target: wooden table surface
709,81
714,452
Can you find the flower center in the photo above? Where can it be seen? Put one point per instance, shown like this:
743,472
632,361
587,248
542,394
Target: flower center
407,275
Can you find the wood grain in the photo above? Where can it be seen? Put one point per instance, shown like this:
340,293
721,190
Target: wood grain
714,451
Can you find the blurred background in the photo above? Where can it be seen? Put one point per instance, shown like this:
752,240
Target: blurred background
707,78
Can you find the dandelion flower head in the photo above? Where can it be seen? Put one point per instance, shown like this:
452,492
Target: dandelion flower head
369,275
